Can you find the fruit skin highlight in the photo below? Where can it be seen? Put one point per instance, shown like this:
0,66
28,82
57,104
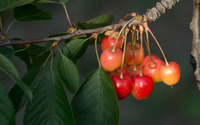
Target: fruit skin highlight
170,74
137,54
123,87
153,70
142,87
108,42
109,60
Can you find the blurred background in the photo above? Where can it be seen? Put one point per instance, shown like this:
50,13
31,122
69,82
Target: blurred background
166,106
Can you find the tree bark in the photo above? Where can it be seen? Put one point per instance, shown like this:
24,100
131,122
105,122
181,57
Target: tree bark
195,27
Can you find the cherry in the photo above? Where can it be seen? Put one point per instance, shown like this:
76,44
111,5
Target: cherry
142,87
147,59
124,71
123,86
112,73
110,60
108,42
137,54
134,72
170,73
153,69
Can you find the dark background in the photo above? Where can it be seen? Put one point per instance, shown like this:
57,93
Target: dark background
166,106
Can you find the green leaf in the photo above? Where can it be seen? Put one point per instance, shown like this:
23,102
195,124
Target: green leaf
96,103
50,105
32,56
9,4
16,94
8,52
75,49
7,116
53,1
100,21
10,70
68,73
30,13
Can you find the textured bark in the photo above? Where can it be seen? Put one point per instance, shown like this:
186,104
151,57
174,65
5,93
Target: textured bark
151,15
195,27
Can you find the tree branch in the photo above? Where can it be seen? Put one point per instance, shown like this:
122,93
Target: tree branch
151,15
195,27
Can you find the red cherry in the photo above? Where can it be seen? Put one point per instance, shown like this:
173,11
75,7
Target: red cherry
124,71
142,87
112,73
153,70
133,72
170,74
137,54
123,86
108,42
147,59
109,60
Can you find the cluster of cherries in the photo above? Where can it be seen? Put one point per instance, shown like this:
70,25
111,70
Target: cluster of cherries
129,70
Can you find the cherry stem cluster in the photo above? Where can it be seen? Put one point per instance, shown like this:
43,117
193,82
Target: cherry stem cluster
124,51
148,29
122,29
133,50
141,40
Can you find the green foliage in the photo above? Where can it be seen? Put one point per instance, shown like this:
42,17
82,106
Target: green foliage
8,52
7,116
10,70
30,13
53,1
50,103
9,4
32,56
68,73
16,94
100,21
96,103
75,49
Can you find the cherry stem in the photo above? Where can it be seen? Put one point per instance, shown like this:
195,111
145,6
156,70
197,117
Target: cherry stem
67,15
1,25
167,64
51,66
47,59
21,49
148,47
59,50
133,49
10,25
124,51
96,50
113,50
141,40
122,43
